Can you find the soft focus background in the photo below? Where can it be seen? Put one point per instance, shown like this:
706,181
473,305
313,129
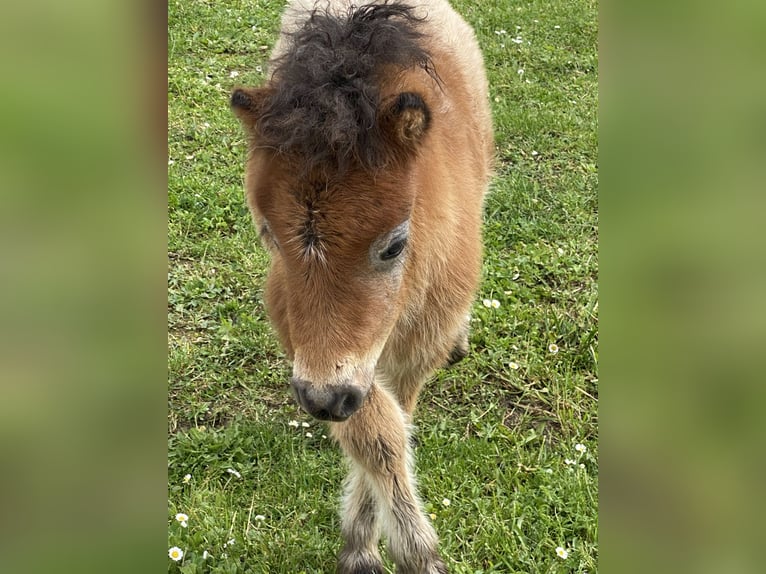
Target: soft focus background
683,199
82,277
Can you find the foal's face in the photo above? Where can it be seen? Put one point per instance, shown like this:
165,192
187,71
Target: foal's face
340,245
340,250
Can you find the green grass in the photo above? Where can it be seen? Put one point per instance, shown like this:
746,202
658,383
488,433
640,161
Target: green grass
492,440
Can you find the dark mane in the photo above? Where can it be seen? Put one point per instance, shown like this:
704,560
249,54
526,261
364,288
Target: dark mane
325,94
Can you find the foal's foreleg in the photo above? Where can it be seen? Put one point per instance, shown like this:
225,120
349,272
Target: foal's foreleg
359,527
376,440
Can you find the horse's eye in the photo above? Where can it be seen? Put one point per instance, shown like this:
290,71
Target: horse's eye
394,250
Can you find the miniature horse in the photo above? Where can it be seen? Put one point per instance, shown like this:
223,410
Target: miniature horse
370,150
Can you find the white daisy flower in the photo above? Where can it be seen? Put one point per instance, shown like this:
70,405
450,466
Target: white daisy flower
553,348
487,303
495,304
187,478
581,448
181,517
446,502
205,555
309,435
233,74
175,553
513,365
260,517
234,472
305,425
561,553
295,424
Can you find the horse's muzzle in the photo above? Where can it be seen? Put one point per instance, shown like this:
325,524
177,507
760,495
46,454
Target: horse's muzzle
328,403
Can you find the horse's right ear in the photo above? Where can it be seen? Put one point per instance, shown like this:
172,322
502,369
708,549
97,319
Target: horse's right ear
247,104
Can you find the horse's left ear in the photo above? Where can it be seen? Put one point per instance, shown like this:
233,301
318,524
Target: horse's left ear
406,120
247,104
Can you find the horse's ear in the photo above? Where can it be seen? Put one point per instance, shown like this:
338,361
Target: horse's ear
247,104
406,120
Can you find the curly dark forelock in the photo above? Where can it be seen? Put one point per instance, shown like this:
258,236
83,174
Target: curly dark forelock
325,95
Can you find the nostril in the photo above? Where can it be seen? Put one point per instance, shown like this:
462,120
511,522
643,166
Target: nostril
348,401
300,390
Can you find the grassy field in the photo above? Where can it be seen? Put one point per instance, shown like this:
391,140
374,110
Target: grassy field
497,463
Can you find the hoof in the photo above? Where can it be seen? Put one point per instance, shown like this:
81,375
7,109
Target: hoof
370,568
357,563
456,355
